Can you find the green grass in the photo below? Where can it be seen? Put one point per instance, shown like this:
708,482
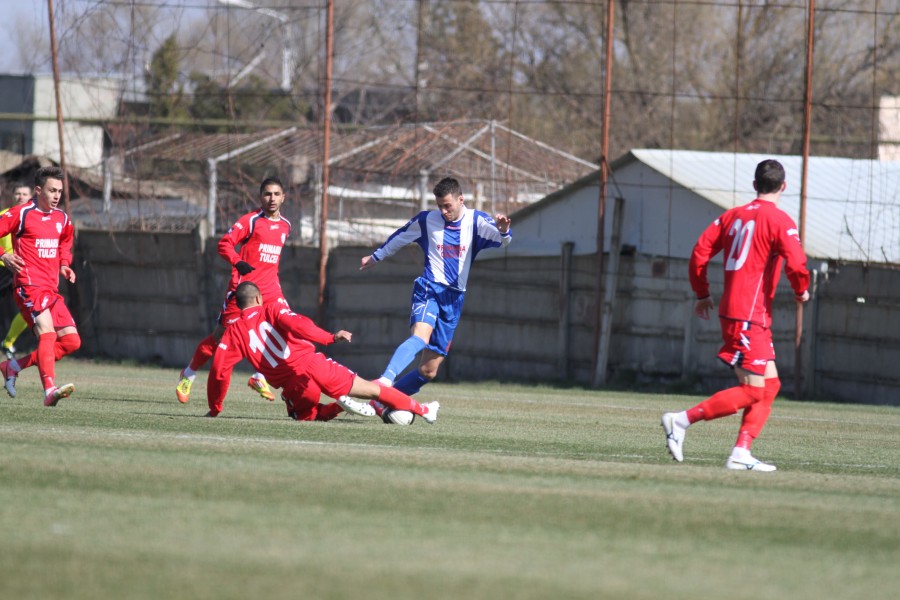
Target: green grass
516,492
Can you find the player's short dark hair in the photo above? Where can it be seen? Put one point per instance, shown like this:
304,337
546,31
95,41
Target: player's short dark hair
447,185
769,176
21,184
245,293
44,173
270,181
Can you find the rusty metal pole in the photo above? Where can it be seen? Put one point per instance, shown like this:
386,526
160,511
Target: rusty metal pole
599,371
54,51
807,120
326,151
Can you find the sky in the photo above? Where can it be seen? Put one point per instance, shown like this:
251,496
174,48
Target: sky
25,15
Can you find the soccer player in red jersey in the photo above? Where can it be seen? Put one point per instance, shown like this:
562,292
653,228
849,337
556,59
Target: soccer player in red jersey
261,236
279,344
42,251
21,194
757,238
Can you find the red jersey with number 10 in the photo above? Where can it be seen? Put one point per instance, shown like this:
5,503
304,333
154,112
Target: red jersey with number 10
275,340
261,240
42,239
756,238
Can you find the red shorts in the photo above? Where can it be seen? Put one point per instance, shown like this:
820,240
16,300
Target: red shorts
322,374
746,345
32,300
231,313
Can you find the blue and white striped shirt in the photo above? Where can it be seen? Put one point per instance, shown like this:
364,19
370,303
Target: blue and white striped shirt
449,248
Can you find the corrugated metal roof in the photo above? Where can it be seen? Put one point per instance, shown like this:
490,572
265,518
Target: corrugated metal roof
852,206
505,162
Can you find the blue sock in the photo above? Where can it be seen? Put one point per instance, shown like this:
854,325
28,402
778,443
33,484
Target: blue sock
403,355
411,383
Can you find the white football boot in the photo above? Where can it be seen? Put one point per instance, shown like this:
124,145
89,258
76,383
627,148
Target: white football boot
362,409
674,436
744,461
431,412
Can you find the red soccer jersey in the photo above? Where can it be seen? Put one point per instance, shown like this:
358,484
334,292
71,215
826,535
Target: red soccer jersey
261,240
273,339
756,238
42,239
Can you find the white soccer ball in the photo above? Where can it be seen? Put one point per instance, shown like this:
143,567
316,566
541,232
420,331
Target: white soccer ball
397,417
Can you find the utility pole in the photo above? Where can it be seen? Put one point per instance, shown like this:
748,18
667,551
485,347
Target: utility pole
54,54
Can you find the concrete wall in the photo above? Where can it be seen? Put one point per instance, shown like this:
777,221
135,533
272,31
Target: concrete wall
856,346
151,297
90,98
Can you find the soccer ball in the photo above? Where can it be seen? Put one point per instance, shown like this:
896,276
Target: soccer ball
397,417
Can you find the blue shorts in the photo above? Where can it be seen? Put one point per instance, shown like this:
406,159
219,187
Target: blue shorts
440,307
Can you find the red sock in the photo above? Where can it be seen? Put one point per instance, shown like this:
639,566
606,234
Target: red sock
46,351
399,401
756,415
725,403
28,361
67,344
204,352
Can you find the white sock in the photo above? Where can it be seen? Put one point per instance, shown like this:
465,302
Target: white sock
259,377
189,373
385,381
681,419
14,366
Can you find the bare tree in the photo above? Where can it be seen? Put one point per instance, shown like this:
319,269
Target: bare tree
688,75
463,67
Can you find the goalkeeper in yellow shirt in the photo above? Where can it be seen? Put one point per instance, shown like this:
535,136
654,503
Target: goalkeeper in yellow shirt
21,194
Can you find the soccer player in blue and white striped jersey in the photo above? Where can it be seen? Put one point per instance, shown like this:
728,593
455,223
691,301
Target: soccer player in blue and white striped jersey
450,238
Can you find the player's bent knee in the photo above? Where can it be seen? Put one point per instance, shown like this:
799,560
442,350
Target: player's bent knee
427,372
69,343
756,393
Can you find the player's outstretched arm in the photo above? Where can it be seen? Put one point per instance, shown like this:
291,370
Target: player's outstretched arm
305,328
227,355
367,262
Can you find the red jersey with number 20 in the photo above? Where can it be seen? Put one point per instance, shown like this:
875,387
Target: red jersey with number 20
261,240
42,239
756,237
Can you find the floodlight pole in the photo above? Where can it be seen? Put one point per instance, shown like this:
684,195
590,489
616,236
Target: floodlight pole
54,53
799,388
287,53
326,151
600,358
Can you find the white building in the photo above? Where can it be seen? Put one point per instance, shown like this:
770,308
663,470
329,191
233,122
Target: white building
670,196
85,102
889,124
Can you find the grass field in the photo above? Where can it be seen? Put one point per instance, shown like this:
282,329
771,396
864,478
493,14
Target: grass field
516,492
